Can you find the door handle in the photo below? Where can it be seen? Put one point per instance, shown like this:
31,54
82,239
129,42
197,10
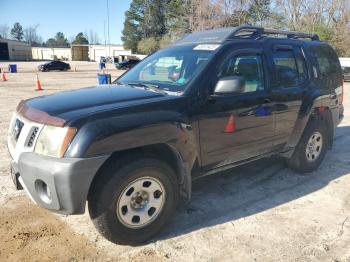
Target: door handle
267,101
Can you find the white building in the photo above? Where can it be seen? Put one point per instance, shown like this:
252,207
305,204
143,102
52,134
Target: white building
14,50
82,53
344,61
46,53
116,51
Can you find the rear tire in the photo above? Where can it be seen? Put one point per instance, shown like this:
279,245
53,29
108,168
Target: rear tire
130,203
311,148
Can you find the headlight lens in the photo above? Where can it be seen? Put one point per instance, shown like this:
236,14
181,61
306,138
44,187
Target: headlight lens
54,141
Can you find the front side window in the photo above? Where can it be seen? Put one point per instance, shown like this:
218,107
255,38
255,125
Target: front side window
170,69
250,67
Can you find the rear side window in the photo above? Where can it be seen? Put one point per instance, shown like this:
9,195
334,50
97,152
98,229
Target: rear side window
286,67
327,60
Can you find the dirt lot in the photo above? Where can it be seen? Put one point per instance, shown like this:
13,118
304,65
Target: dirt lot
262,212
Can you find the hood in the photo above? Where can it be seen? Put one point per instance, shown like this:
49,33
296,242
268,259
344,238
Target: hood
59,108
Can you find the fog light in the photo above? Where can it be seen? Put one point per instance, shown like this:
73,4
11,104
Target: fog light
43,191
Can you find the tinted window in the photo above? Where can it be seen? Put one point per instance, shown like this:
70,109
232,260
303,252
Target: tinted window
287,74
248,66
327,60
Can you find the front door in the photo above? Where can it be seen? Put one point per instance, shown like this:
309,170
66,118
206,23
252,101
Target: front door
238,126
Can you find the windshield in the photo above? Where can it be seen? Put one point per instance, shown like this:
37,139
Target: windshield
169,69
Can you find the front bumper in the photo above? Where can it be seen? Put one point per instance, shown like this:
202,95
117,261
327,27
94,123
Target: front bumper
58,184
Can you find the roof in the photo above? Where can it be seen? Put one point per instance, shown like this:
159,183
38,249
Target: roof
221,35
5,40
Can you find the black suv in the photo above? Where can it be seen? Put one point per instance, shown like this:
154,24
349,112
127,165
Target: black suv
211,101
346,73
127,64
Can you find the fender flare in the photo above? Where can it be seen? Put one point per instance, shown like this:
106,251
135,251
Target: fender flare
321,105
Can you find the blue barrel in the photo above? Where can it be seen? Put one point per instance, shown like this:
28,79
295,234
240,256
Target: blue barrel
13,68
101,65
104,79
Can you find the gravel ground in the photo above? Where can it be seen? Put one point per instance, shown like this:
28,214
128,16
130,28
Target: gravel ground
262,211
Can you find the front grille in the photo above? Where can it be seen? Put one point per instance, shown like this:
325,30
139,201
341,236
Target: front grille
32,137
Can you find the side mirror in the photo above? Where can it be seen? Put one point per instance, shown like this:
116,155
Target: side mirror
230,85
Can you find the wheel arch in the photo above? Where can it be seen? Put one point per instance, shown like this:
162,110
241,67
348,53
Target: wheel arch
317,110
161,151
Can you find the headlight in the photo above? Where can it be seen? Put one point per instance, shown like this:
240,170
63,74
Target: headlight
54,141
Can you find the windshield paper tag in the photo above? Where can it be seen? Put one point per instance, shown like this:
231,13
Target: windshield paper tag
206,47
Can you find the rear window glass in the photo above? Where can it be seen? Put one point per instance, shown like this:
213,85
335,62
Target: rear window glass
327,60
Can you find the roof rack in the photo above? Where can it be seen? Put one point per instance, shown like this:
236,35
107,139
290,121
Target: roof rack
258,32
220,35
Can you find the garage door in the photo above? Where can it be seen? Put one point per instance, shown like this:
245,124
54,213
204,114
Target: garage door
47,54
4,51
98,53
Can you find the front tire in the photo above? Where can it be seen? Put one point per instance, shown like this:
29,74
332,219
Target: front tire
311,148
129,204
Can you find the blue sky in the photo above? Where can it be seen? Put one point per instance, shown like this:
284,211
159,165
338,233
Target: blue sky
67,16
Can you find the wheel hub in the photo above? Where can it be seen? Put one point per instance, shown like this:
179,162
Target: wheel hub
139,199
141,202
314,147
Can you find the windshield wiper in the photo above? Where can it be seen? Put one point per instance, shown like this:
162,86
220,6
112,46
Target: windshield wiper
147,85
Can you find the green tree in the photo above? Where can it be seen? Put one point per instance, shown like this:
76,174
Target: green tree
175,15
58,41
17,31
148,45
132,31
154,20
80,39
144,19
165,41
51,42
259,11
61,40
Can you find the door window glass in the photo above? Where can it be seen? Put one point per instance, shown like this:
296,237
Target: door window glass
250,67
301,65
286,68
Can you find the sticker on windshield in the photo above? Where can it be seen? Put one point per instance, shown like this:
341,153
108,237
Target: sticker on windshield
206,47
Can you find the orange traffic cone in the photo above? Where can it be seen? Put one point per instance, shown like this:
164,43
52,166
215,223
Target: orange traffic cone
38,84
230,126
3,76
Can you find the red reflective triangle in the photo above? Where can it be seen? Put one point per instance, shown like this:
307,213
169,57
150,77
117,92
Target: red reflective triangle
230,126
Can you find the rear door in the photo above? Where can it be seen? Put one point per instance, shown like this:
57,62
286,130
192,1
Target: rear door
291,81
